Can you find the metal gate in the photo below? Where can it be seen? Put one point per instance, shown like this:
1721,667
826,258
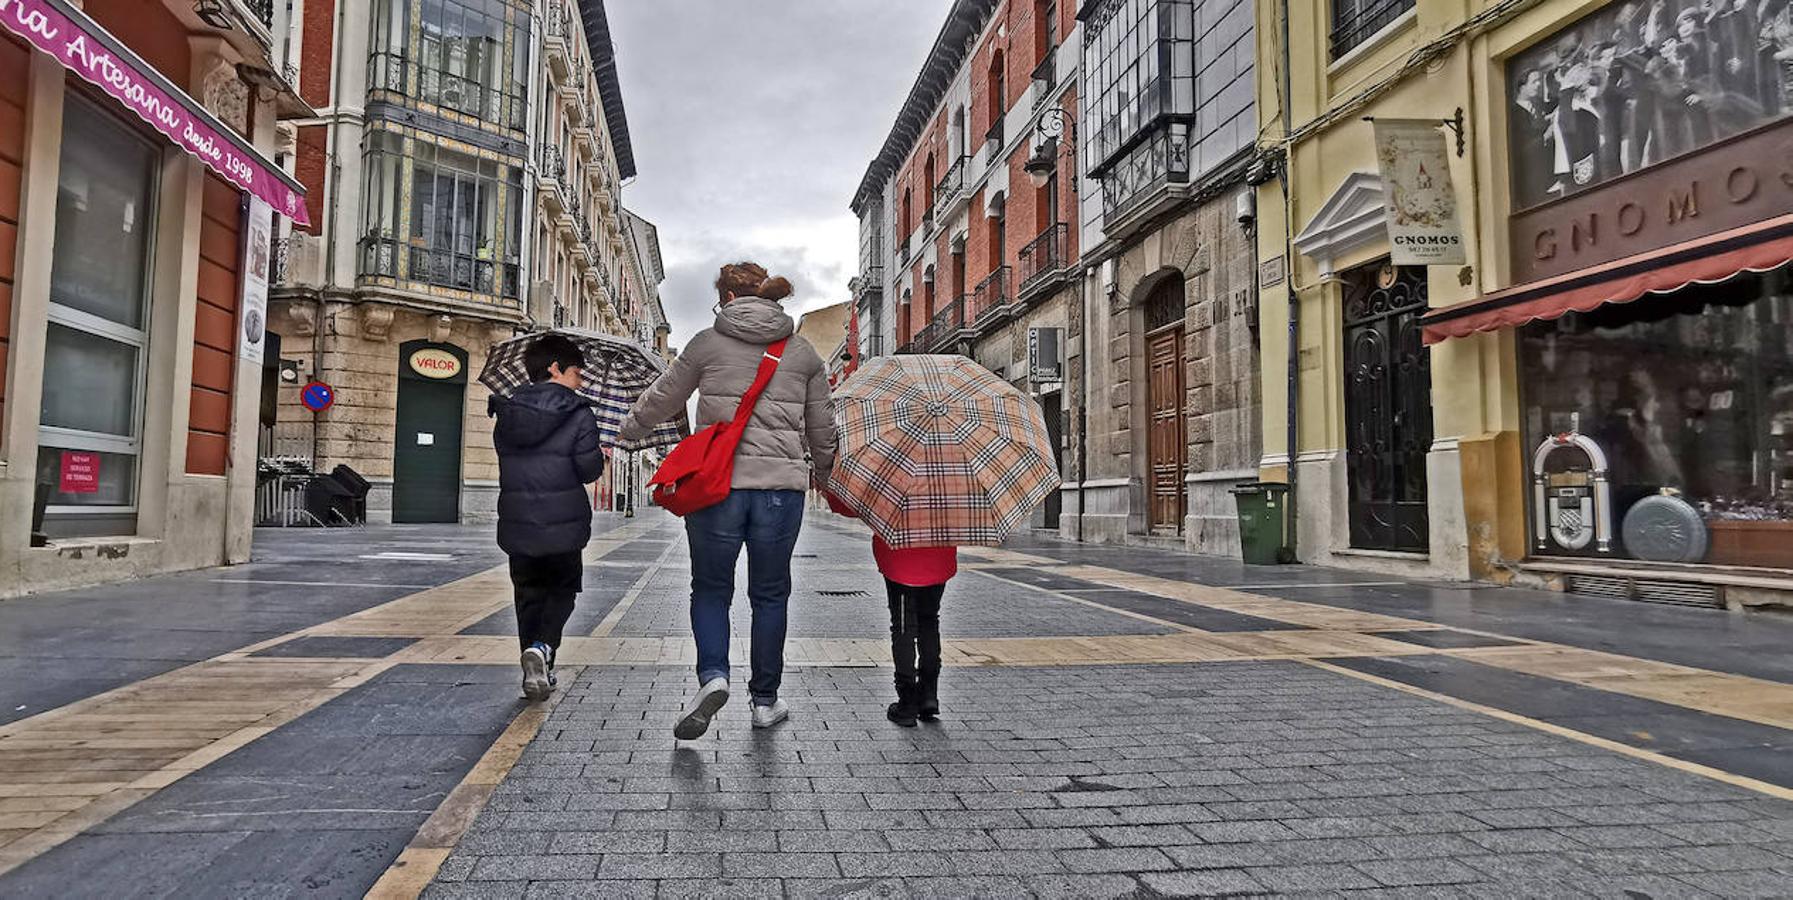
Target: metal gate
1388,407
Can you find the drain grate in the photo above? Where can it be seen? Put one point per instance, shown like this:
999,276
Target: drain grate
842,594
1675,593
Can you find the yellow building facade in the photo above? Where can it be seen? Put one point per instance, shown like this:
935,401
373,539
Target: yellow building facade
1487,420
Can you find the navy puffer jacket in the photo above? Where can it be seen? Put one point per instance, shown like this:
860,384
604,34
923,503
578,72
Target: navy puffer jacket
547,442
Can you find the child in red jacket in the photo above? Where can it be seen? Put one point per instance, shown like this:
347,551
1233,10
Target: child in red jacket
915,578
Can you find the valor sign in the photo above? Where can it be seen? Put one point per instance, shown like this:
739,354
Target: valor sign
433,363
1420,203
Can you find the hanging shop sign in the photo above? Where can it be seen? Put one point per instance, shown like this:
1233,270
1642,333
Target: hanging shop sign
258,248
76,41
431,362
1419,201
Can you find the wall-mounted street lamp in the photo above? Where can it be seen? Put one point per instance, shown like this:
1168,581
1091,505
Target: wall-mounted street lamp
1053,125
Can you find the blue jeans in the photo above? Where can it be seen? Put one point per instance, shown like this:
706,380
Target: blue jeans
768,523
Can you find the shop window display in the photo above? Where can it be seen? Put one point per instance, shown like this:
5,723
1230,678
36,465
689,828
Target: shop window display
1687,400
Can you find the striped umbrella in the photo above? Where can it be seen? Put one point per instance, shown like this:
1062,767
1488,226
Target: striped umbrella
617,373
939,451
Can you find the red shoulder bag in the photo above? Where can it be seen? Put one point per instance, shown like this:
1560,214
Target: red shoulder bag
698,472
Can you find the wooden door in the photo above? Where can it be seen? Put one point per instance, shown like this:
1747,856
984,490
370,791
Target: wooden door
1166,444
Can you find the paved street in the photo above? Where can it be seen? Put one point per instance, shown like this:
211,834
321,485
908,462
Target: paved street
342,716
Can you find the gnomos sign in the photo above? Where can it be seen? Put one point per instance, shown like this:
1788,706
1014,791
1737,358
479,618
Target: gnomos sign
433,363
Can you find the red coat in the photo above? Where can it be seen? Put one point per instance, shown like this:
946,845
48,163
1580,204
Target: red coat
912,567
916,566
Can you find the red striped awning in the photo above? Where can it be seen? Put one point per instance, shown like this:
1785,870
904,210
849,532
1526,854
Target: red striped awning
1753,248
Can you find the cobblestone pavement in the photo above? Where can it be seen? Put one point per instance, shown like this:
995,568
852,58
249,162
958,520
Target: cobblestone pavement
1117,722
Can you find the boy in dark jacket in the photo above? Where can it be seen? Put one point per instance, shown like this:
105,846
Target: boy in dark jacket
548,451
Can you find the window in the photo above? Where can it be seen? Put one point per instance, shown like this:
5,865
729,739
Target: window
466,56
999,92
1162,106
1045,27
90,432
441,216
1708,422
1356,21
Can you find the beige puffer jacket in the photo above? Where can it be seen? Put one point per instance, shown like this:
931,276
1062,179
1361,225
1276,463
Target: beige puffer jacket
719,364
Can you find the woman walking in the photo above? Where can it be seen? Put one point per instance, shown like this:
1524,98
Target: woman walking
790,431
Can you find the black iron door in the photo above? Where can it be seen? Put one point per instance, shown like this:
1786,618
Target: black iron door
1388,407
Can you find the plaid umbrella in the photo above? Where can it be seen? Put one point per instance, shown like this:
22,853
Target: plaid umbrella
617,373
938,451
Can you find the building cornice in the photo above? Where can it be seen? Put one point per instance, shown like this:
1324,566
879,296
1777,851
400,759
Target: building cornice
951,47
610,93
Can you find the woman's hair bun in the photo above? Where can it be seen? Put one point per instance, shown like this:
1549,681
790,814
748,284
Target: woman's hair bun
774,288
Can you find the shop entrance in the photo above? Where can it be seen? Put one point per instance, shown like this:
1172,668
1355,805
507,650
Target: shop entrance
1388,407
1167,438
426,458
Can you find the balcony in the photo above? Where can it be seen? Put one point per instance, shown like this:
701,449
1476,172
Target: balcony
1045,78
943,329
870,283
990,300
950,189
903,253
551,173
1041,263
557,39
994,140
262,11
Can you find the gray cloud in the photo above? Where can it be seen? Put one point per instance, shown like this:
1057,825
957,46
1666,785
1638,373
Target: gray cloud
752,122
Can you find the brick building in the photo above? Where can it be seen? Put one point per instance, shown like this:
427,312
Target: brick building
967,241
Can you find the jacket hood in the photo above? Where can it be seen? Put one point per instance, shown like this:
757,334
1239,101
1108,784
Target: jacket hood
754,320
532,413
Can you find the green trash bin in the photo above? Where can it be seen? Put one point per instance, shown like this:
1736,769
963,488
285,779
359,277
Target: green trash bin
1263,522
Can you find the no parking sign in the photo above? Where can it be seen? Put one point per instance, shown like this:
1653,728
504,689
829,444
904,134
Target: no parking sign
317,396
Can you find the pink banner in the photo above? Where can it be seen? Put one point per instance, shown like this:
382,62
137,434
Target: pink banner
89,51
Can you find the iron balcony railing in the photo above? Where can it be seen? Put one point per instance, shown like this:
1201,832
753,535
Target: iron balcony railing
1356,21
1042,258
283,253
263,11
554,163
950,185
991,297
870,281
557,20
943,329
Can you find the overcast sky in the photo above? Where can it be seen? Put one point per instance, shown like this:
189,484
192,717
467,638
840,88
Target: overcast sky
752,123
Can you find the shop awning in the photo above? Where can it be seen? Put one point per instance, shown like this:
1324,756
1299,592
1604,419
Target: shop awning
1753,248
78,42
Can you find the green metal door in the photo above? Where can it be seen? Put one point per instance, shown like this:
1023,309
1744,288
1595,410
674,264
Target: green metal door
426,460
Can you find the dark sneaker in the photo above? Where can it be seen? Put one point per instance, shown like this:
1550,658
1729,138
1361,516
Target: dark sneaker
710,699
535,673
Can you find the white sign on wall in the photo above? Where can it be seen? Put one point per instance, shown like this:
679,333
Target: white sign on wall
258,250
1419,200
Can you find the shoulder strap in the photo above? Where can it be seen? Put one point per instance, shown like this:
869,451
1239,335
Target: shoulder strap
768,365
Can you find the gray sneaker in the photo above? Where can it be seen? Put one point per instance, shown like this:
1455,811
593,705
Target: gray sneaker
710,698
535,673
768,716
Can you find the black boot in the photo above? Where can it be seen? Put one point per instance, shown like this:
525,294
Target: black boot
902,712
927,701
